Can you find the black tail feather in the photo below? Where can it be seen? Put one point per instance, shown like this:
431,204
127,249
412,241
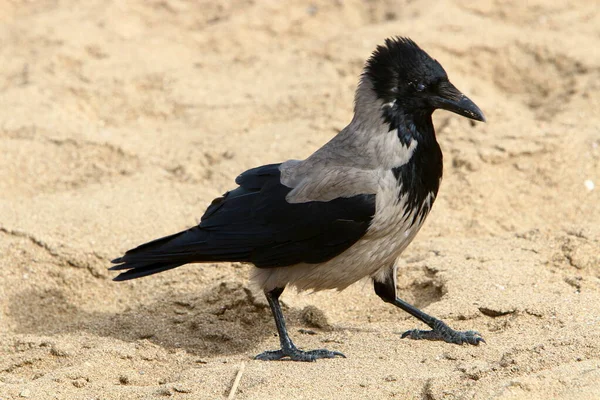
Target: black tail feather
138,272
194,245
158,255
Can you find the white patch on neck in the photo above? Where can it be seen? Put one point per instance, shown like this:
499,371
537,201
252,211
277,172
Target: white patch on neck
391,152
389,105
429,199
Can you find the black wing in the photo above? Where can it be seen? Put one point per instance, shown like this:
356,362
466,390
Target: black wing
254,223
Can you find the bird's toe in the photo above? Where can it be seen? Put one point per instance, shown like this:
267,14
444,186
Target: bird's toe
443,332
271,355
298,355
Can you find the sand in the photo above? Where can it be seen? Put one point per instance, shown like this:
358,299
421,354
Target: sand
121,121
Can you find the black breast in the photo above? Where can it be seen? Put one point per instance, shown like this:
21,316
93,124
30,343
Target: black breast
420,177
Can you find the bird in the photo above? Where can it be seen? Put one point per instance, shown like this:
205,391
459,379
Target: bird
345,213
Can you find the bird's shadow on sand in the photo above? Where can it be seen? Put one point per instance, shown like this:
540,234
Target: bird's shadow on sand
223,319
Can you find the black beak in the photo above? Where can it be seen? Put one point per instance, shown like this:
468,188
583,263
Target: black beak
450,98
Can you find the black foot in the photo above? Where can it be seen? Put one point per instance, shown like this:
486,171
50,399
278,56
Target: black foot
298,355
441,331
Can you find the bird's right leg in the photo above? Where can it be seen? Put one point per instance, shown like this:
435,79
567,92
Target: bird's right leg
288,349
439,329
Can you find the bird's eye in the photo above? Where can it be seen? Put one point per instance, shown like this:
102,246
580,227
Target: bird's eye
420,87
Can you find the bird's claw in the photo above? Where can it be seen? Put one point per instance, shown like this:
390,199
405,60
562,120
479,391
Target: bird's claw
298,355
443,332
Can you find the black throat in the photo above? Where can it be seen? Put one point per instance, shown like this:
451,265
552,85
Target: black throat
421,175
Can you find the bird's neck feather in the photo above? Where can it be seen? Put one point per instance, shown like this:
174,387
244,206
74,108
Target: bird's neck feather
422,174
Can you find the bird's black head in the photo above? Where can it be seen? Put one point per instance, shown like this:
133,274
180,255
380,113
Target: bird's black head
409,82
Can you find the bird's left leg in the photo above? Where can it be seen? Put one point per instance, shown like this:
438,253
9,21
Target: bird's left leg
439,330
288,349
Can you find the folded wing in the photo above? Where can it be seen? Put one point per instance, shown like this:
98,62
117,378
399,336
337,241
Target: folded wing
254,223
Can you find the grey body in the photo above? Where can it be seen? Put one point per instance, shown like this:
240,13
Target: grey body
358,160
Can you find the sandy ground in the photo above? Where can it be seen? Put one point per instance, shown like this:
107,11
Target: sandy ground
121,121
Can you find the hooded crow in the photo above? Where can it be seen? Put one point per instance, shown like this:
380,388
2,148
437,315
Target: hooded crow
346,212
